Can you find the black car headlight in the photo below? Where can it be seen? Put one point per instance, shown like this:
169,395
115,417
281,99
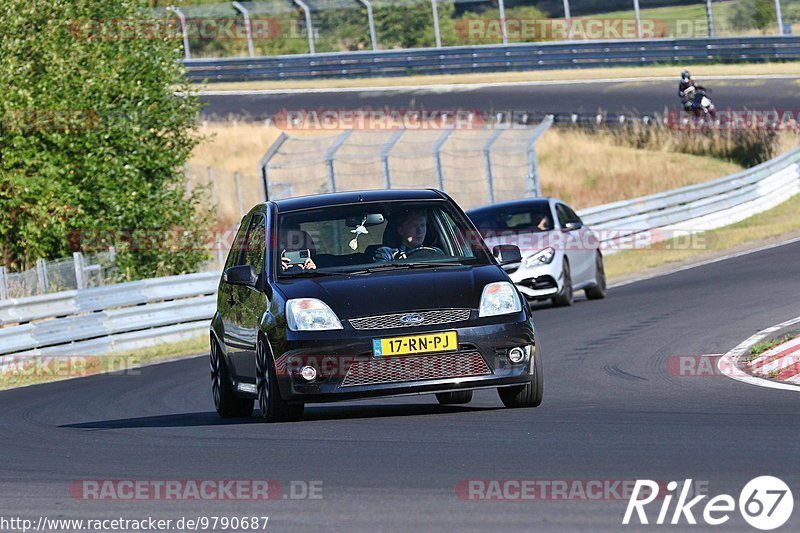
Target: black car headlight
310,314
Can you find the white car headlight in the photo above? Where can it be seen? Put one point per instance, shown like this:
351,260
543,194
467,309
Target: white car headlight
310,314
499,298
543,257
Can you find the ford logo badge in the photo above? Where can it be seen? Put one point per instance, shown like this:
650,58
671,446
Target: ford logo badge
411,319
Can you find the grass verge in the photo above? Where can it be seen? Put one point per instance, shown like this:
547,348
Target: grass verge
770,226
762,347
42,369
700,71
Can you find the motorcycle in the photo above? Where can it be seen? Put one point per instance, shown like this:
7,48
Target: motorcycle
701,105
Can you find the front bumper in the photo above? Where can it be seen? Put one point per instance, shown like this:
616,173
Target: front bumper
347,369
540,282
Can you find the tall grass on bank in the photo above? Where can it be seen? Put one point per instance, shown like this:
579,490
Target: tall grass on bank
745,147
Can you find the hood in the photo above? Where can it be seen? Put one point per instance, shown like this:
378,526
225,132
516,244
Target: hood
397,291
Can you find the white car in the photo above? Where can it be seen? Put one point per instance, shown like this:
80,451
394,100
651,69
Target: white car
560,255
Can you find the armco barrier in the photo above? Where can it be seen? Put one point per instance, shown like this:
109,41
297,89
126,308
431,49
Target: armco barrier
111,318
493,58
141,313
69,303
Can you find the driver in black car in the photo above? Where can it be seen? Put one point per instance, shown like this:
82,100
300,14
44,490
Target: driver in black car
412,227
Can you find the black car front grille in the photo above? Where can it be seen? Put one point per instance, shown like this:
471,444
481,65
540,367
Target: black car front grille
419,368
425,318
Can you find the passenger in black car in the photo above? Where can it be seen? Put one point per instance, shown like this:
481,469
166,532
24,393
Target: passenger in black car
293,239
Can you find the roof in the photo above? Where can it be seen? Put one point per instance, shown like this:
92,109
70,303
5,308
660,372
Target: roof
354,197
508,205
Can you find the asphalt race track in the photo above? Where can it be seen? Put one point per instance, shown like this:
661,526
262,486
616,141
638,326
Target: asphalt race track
644,97
613,410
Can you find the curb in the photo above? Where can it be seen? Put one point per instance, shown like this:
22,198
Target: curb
733,363
781,363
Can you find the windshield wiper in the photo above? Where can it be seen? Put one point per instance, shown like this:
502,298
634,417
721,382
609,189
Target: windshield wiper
402,266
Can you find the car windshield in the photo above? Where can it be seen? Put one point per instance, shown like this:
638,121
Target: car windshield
505,221
373,237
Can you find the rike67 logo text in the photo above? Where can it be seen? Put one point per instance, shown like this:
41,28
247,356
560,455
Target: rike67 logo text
765,503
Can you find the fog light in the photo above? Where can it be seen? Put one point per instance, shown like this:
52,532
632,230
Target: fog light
516,355
309,373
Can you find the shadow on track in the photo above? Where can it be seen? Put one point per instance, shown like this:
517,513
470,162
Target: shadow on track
348,412
315,413
209,418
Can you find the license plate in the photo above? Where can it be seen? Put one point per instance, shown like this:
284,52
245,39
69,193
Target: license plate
414,344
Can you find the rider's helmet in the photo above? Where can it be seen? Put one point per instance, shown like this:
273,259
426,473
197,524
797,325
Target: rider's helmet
685,76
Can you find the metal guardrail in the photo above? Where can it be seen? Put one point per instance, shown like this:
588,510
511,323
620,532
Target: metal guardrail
114,317
75,302
493,58
141,313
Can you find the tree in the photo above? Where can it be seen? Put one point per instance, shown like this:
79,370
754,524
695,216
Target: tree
93,138
754,14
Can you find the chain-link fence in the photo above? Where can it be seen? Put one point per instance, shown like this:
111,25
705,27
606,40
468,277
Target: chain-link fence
81,271
274,27
474,166
85,271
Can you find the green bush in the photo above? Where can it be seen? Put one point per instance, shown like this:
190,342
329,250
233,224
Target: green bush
93,139
754,14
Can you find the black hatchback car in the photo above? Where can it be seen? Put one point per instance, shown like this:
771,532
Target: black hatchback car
365,294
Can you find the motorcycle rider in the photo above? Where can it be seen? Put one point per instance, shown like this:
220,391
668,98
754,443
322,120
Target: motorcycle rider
685,83
687,91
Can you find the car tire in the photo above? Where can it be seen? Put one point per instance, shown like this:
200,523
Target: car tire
528,395
598,291
564,298
455,397
227,404
273,407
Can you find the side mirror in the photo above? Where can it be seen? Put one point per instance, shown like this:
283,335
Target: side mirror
572,226
241,275
507,254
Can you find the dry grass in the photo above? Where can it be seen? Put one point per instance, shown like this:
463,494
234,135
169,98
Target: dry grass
788,141
703,71
230,148
585,169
